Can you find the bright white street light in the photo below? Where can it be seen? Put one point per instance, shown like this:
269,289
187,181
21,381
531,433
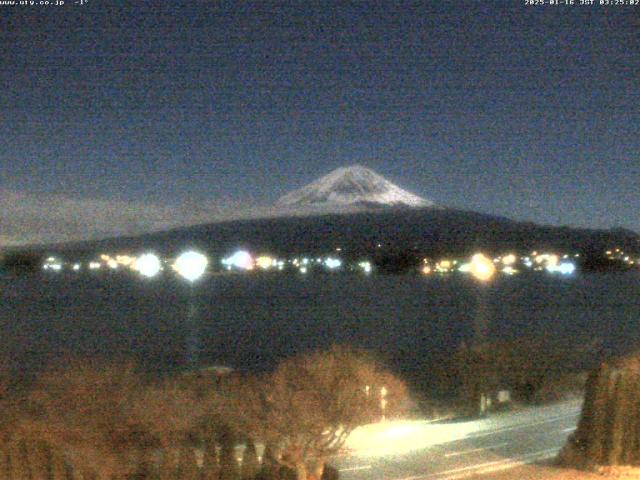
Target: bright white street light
333,263
191,265
148,265
241,259
565,268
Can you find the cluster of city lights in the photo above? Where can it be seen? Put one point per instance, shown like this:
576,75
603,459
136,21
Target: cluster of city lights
244,261
52,263
484,268
241,260
446,266
190,265
366,266
619,255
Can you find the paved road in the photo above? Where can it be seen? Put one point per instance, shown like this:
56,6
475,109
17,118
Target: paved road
438,451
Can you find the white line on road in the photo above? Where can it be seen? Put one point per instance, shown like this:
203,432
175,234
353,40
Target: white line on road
570,429
520,426
354,469
533,457
464,452
488,467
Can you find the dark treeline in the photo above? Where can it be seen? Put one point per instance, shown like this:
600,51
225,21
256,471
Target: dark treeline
21,261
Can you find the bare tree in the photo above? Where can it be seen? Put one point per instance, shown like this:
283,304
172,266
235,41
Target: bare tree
97,421
311,403
84,412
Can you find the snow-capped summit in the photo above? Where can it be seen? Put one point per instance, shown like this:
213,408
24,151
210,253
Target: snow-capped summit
350,188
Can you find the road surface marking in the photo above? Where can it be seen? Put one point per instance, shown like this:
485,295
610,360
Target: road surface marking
436,420
520,426
570,429
353,469
488,467
464,452
524,460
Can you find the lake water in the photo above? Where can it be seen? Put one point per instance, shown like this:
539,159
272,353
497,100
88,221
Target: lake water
252,321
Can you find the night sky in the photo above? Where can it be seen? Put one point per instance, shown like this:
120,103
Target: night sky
117,119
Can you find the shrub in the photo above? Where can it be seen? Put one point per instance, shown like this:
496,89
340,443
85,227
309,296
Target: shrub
608,432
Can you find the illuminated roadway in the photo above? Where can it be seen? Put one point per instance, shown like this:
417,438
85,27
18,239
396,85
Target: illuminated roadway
420,450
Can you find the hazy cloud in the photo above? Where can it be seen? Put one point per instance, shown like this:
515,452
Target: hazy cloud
27,218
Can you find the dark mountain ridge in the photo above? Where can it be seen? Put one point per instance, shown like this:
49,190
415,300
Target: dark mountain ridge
427,231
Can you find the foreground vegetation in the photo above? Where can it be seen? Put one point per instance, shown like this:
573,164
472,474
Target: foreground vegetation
609,429
98,422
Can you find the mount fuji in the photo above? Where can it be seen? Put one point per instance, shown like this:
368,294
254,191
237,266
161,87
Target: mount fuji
366,216
353,188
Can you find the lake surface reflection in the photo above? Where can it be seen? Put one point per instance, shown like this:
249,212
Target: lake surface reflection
251,321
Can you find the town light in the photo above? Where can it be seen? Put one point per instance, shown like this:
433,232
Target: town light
148,265
464,268
383,401
445,265
191,265
333,263
509,259
366,266
482,268
52,263
241,259
564,268
265,262
509,270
